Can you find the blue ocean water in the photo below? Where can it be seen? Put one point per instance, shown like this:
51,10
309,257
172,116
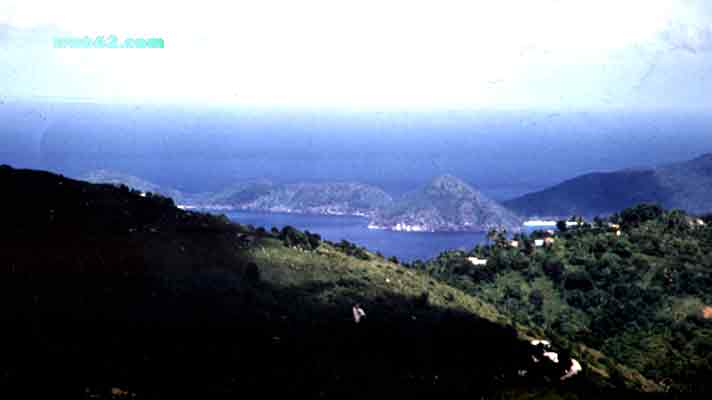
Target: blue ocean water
407,246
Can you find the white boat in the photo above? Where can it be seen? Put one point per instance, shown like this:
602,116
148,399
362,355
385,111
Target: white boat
538,222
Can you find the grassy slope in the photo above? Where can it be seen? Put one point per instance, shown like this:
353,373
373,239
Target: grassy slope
376,278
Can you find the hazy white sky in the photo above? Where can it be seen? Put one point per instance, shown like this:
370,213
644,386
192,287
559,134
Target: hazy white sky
546,54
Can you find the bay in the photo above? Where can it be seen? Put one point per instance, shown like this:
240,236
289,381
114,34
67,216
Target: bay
406,246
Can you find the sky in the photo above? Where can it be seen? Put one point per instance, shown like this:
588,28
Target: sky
511,96
367,55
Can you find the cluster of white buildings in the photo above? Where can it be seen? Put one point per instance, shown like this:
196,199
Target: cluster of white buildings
554,357
401,227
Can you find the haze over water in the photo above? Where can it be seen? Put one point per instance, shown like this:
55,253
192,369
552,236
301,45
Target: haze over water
194,149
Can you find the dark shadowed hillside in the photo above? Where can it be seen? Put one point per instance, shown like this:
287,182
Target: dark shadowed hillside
103,290
686,185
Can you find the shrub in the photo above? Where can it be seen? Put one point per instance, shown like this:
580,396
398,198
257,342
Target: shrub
578,281
313,239
576,298
422,300
554,268
536,299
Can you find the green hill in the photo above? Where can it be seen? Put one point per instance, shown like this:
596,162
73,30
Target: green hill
105,291
336,198
638,297
307,198
134,182
446,204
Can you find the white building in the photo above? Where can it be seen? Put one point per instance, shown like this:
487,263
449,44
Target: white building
408,228
477,261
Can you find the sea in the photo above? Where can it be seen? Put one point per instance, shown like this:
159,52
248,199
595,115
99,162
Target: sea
406,246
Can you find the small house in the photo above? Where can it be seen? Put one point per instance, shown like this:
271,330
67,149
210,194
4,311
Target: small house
538,242
513,243
477,261
707,312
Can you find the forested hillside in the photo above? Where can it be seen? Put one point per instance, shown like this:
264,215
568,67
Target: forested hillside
636,287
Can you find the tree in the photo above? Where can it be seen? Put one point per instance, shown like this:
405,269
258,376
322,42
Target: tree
491,235
314,239
677,220
640,213
536,299
561,226
598,222
502,238
578,281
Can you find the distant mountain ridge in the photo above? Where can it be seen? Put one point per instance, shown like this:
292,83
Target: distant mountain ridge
449,204
685,185
446,204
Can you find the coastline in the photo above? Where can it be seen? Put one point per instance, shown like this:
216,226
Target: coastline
400,227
